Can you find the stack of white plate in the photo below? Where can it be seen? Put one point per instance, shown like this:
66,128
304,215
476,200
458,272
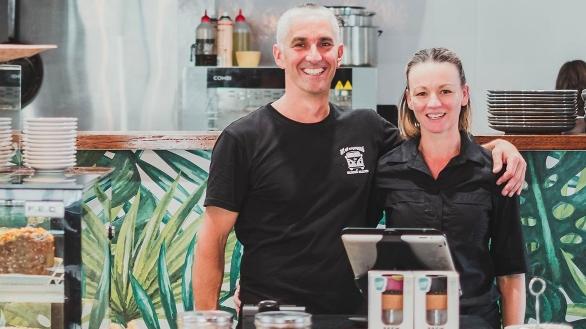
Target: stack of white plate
49,144
5,142
532,111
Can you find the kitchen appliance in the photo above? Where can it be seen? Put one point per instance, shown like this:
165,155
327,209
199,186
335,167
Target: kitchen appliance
359,35
213,97
48,277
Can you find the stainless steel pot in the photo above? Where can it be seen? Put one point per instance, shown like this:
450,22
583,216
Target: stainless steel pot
360,45
364,19
347,10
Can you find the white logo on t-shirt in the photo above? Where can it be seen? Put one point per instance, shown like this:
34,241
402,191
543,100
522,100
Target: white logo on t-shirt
354,159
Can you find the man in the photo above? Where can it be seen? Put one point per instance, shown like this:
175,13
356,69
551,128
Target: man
289,176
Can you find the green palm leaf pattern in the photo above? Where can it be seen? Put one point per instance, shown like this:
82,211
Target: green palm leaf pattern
146,307
167,296
151,210
553,212
25,314
101,301
188,169
145,226
186,286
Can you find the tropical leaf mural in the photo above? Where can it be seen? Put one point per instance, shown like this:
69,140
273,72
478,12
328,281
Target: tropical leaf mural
156,210
553,211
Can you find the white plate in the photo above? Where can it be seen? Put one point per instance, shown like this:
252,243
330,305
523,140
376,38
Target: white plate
553,113
42,153
530,116
544,125
31,154
50,162
50,166
41,137
524,130
51,120
534,91
530,123
50,141
34,132
533,105
563,99
48,148
519,119
49,125
49,128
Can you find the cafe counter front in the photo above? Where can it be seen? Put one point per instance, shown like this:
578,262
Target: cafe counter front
158,186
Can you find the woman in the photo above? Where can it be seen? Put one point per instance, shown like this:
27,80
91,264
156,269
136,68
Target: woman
572,75
440,178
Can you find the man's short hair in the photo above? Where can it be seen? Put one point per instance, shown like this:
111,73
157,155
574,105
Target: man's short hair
309,9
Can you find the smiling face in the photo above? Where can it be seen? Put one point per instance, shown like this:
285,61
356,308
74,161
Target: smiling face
436,96
309,55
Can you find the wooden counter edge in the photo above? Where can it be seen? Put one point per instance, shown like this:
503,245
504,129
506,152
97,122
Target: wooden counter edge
147,141
178,140
206,141
540,142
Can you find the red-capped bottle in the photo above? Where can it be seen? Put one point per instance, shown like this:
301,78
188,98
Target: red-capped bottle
241,35
204,48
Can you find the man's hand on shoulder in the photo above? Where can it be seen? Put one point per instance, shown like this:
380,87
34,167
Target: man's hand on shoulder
505,153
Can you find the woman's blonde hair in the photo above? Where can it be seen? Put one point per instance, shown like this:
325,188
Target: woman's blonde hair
408,124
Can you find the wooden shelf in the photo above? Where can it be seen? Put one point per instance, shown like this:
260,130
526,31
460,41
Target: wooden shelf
9,52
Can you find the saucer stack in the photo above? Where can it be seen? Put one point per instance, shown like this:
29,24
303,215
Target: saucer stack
5,142
532,111
49,144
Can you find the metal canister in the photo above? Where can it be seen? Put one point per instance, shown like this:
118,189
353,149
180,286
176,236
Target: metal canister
282,320
204,320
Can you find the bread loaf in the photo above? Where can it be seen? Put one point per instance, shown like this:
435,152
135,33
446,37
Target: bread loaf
26,250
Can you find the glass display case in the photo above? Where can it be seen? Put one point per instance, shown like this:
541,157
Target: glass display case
54,250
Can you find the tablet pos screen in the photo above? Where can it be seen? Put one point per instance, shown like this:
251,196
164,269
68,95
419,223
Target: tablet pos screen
396,249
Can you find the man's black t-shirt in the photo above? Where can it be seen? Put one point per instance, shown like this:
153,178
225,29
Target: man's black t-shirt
295,186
